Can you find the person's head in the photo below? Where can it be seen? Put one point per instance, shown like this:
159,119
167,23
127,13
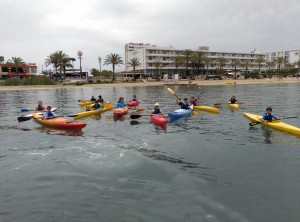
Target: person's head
97,102
192,98
185,100
232,97
269,109
121,99
93,97
48,108
156,106
100,96
40,102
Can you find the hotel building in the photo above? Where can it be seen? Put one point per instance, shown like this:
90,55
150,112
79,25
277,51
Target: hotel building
148,54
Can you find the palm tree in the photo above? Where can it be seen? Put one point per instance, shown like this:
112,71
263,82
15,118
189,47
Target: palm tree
113,59
178,60
207,61
59,60
297,63
235,63
187,58
134,63
260,60
246,64
279,60
270,64
157,64
16,61
221,61
197,60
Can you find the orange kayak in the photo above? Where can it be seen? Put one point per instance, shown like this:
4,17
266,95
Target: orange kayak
118,112
158,119
59,122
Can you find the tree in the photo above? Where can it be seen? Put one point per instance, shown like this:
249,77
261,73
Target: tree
178,61
207,61
246,64
235,63
113,59
16,61
134,62
197,60
297,63
221,62
279,60
59,60
157,64
270,64
260,60
187,58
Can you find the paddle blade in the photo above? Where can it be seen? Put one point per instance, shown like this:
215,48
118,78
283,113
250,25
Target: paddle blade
25,110
254,124
24,118
135,116
171,90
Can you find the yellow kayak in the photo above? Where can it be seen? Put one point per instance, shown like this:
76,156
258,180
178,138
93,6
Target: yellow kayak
234,106
207,109
92,112
103,105
278,124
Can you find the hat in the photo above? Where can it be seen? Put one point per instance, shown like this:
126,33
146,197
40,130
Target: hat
185,99
156,104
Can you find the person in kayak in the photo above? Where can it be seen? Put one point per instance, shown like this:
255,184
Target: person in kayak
100,99
121,103
96,105
93,99
193,101
157,109
40,106
49,114
134,98
268,116
184,104
233,100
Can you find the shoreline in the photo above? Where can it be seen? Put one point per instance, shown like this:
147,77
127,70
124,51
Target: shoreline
228,82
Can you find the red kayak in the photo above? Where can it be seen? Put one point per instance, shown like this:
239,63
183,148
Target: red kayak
133,103
158,119
59,122
118,112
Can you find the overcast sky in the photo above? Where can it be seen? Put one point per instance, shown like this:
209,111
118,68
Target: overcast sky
33,29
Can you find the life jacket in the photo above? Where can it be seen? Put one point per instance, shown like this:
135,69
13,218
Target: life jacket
40,107
156,111
184,105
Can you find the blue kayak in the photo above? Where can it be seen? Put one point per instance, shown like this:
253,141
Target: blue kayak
179,113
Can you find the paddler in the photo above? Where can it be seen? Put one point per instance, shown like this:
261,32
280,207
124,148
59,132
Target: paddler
157,109
100,99
49,114
93,99
40,106
193,101
232,100
268,116
96,105
134,98
121,103
184,104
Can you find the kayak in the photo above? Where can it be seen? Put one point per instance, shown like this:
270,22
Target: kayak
118,112
103,105
233,106
133,103
58,122
179,113
92,112
29,116
207,109
277,124
158,119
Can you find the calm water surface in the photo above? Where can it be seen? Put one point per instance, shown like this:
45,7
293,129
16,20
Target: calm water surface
208,167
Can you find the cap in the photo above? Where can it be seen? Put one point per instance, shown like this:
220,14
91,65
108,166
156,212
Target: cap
156,104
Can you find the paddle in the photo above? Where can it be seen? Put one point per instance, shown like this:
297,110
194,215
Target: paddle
136,116
25,118
27,110
172,92
137,109
289,117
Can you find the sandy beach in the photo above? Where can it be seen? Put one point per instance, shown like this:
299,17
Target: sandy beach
160,83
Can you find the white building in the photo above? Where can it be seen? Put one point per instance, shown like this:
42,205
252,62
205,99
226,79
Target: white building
290,56
148,54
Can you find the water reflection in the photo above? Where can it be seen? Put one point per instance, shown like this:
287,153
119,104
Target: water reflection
59,132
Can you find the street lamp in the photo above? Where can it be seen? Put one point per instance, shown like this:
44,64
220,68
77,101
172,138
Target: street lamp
99,59
79,53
